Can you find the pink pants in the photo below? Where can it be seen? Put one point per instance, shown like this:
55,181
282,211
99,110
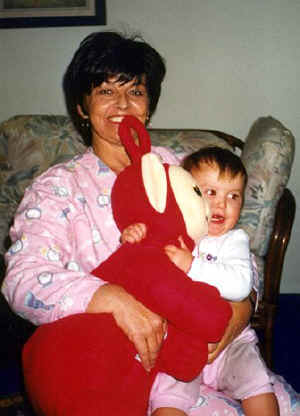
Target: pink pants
239,371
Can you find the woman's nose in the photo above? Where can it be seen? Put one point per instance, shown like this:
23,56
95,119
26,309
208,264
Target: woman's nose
122,101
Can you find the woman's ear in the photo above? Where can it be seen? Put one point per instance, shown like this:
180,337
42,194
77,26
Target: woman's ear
81,111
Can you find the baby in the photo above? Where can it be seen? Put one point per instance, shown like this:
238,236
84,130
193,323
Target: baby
221,259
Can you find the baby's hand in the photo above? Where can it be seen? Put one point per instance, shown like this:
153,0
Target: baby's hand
181,257
134,233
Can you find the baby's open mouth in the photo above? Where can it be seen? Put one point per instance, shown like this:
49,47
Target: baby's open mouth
217,218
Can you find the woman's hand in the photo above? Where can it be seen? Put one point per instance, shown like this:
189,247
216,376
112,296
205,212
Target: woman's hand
144,328
241,314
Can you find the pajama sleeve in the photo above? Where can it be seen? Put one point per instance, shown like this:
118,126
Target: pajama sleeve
52,252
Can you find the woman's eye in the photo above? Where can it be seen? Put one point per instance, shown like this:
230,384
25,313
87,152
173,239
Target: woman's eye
136,92
197,190
105,91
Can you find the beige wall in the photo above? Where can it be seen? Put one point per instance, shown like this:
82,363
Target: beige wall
229,62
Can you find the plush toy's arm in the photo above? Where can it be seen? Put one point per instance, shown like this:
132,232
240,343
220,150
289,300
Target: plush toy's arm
182,355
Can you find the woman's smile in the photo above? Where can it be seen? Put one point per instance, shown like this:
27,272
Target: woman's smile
107,105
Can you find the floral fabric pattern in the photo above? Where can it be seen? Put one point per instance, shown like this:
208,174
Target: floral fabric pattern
28,146
268,156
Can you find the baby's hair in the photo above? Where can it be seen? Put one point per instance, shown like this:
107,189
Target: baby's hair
224,159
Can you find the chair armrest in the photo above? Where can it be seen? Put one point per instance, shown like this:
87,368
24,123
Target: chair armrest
263,318
284,219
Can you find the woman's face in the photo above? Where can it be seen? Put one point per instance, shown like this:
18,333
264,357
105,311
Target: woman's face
109,103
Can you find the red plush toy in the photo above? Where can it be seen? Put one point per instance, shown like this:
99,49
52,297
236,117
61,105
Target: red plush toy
84,364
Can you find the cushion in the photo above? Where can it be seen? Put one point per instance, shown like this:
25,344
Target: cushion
268,156
185,141
28,146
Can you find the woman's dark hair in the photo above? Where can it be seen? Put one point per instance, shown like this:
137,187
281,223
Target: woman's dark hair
224,159
102,55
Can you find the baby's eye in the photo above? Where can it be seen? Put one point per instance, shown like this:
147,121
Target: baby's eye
197,190
234,196
210,192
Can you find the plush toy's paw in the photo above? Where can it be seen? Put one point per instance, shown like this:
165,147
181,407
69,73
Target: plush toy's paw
182,355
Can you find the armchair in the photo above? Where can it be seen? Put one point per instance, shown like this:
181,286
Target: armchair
30,144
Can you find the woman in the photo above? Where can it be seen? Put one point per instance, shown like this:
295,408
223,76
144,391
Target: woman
64,228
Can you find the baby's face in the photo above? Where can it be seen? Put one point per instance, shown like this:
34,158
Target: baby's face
224,194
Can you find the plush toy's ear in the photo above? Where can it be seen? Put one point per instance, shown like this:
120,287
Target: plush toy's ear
153,172
135,152
155,181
